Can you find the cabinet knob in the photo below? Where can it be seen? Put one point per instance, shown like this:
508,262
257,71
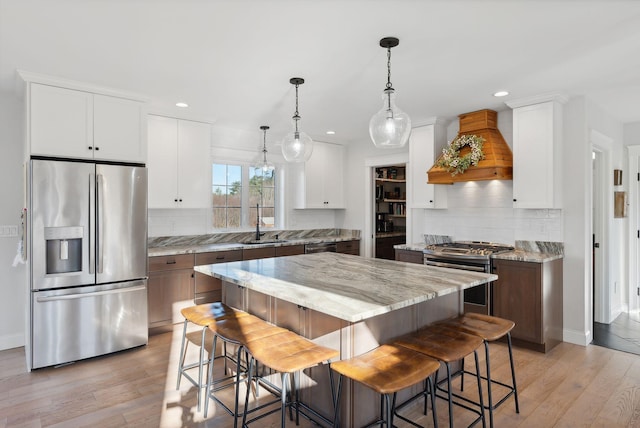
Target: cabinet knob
175,200
90,147
97,148
515,200
430,201
179,200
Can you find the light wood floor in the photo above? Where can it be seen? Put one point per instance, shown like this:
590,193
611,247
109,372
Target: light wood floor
571,386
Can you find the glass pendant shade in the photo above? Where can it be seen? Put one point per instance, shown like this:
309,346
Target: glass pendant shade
297,146
390,127
265,165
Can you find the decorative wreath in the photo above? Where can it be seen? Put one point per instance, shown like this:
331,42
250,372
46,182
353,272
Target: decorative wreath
451,159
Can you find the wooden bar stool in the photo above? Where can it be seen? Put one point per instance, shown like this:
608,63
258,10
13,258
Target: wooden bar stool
447,346
387,370
201,315
236,331
489,329
287,353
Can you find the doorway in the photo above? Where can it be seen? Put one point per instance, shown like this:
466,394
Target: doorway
390,209
613,327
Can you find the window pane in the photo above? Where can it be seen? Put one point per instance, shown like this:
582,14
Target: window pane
219,174
254,196
220,218
234,174
234,217
235,200
268,217
219,196
268,196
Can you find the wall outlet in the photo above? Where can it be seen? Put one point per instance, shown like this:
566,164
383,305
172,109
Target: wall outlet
9,231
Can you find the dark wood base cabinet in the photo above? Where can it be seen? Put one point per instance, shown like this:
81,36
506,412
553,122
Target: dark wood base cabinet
530,294
384,246
410,256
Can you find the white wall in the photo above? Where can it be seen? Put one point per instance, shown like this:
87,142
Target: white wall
13,282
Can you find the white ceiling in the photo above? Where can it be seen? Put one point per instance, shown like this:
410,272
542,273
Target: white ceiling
232,60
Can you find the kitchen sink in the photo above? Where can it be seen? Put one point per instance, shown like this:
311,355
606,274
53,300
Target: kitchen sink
265,241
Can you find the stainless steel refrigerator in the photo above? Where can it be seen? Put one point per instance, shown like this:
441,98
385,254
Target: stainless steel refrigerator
88,260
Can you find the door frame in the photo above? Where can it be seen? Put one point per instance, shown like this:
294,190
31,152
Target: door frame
634,225
602,145
371,163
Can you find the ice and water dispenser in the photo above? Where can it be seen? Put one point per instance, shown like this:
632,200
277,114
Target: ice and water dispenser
64,249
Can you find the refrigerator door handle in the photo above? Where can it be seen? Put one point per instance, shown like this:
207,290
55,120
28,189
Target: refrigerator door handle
100,220
92,232
93,294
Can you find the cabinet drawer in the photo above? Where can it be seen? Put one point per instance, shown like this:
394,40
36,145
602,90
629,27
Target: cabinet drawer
161,263
348,247
258,253
218,257
410,256
290,250
209,297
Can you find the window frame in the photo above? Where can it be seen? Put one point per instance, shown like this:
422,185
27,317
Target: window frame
244,198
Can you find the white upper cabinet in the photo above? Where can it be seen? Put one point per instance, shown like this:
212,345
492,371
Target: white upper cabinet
179,163
319,181
72,123
425,146
537,152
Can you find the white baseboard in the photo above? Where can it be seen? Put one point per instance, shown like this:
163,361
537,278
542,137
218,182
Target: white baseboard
11,341
582,338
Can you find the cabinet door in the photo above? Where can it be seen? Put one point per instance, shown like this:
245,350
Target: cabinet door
333,176
162,162
119,129
410,256
169,292
194,164
321,178
61,122
425,146
536,156
517,296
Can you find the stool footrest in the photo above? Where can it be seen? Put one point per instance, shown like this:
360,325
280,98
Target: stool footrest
497,382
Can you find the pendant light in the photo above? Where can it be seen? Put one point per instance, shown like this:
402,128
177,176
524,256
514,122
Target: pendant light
390,127
297,146
265,166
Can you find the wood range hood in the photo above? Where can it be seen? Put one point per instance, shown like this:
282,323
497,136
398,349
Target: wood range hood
498,159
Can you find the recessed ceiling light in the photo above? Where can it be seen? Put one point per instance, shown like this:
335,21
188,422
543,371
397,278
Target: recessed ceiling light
183,105
501,94
331,132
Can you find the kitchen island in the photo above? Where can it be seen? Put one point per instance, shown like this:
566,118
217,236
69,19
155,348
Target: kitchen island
349,303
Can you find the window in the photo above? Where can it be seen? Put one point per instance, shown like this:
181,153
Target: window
235,201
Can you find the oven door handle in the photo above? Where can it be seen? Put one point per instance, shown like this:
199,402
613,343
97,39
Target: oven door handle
454,266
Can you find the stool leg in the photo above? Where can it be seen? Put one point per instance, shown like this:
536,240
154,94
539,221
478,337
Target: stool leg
235,411
462,376
296,388
486,353
283,399
246,397
389,408
513,373
475,354
204,331
432,393
182,352
209,390
336,404
450,398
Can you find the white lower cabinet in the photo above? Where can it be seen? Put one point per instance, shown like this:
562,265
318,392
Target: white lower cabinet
319,181
179,163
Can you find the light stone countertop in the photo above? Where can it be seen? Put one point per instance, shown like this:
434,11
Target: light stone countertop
352,288
411,247
527,256
225,246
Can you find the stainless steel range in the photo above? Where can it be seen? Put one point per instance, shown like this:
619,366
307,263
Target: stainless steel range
468,255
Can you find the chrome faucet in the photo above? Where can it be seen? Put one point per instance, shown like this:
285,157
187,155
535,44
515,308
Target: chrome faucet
258,233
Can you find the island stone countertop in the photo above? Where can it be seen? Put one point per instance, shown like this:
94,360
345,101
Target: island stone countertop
351,288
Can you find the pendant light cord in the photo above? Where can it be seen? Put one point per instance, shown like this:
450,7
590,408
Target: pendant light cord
389,69
296,115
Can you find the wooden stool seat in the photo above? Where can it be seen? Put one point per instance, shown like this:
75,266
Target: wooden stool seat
487,327
388,368
287,352
205,314
244,329
441,343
